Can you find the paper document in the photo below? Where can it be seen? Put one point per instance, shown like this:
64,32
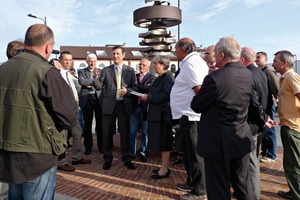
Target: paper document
137,93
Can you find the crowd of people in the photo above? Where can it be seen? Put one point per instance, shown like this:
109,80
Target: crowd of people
224,104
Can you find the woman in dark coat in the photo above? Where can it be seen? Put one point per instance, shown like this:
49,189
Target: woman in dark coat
159,115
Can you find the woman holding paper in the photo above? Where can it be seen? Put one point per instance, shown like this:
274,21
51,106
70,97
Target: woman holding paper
159,115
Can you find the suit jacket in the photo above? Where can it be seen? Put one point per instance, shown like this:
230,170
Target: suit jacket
223,100
108,84
159,98
256,115
143,87
88,85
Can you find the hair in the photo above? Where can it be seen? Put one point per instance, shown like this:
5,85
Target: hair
63,53
91,55
13,48
230,47
285,55
248,54
262,53
187,45
162,59
119,47
73,69
38,35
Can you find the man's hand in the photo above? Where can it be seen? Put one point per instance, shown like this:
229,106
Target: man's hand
123,91
144,98
270,123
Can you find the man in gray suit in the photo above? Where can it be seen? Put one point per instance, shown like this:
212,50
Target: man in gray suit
116,81
89,103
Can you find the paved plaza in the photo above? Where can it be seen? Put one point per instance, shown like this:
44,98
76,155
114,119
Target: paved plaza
92,182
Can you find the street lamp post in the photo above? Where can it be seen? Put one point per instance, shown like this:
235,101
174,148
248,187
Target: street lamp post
33,16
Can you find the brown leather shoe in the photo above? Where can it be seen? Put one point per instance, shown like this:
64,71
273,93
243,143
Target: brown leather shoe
81,161
66,168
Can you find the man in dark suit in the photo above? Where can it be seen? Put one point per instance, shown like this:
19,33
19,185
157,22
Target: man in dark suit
256,122
89,103
117,81
225,139
138,117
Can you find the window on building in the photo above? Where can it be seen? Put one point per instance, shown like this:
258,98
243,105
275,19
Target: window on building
137,54
82,65
101,53
173,68
101,65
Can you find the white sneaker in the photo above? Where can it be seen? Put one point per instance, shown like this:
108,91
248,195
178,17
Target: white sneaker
267,160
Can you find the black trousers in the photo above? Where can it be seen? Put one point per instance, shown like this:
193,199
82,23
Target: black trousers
219,175
193,163
109,122
92,107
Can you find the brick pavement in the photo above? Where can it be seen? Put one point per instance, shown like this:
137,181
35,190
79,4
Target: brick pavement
91,182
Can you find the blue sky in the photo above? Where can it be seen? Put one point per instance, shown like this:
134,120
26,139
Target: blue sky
264,25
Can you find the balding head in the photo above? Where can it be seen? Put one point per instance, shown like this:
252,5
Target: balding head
183,47
248,56
209,55
39,38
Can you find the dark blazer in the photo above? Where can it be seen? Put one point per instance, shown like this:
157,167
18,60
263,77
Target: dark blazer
159,98
87,85
143,87
256,115
108,84
223,100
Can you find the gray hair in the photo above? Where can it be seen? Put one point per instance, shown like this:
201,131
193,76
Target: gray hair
230,47
285,55
91,55
162,59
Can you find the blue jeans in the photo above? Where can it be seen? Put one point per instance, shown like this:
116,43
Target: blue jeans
41,188
136,119
269,143
80,118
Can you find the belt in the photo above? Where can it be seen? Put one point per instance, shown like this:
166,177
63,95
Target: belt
119,101
92,92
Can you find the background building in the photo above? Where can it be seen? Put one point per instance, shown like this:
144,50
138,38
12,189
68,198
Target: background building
132,57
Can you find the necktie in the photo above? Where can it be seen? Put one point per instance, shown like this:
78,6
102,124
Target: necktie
118,78
141,77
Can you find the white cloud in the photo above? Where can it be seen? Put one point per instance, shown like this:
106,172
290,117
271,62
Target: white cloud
252,3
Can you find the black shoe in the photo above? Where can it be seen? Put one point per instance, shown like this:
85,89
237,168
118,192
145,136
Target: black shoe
143,158
130,165
106,165
158,176
285,194
81,161
155,171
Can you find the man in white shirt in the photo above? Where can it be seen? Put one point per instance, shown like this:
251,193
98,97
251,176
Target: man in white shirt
66,60
187,84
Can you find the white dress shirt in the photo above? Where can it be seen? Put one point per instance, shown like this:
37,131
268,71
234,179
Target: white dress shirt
192,72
